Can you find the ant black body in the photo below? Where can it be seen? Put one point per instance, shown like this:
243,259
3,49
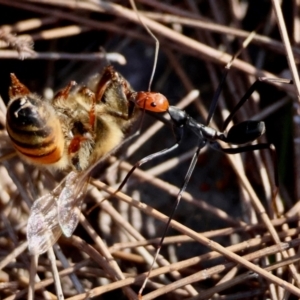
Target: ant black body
240,134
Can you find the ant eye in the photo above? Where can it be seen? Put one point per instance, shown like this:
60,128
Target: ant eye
153,104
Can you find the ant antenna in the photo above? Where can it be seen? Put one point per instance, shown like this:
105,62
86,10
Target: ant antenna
132,2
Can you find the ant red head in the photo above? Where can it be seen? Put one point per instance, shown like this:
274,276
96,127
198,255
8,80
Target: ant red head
151,101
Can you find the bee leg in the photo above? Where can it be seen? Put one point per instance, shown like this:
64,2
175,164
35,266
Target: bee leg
64,93
17,89
87,93
106,78
73,150
132,107
131,110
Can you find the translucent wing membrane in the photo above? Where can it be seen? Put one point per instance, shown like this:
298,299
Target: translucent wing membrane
55,213
69,203
43,229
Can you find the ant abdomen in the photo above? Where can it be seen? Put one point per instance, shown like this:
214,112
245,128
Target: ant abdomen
245,132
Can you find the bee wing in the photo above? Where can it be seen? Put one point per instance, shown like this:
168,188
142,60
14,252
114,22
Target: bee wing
43,228
69,202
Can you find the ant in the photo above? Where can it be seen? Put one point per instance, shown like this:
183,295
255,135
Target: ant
241,134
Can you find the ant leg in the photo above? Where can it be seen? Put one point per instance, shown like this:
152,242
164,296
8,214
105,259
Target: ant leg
146,159
202,143
178,130
217,93
249,92
216,96
261,146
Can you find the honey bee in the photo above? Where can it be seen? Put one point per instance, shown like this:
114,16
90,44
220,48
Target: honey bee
72,132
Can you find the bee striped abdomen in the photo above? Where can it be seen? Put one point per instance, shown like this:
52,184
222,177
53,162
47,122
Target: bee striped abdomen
34,130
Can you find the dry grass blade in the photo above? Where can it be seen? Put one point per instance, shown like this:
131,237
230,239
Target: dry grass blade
229,199
295,76
208,243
